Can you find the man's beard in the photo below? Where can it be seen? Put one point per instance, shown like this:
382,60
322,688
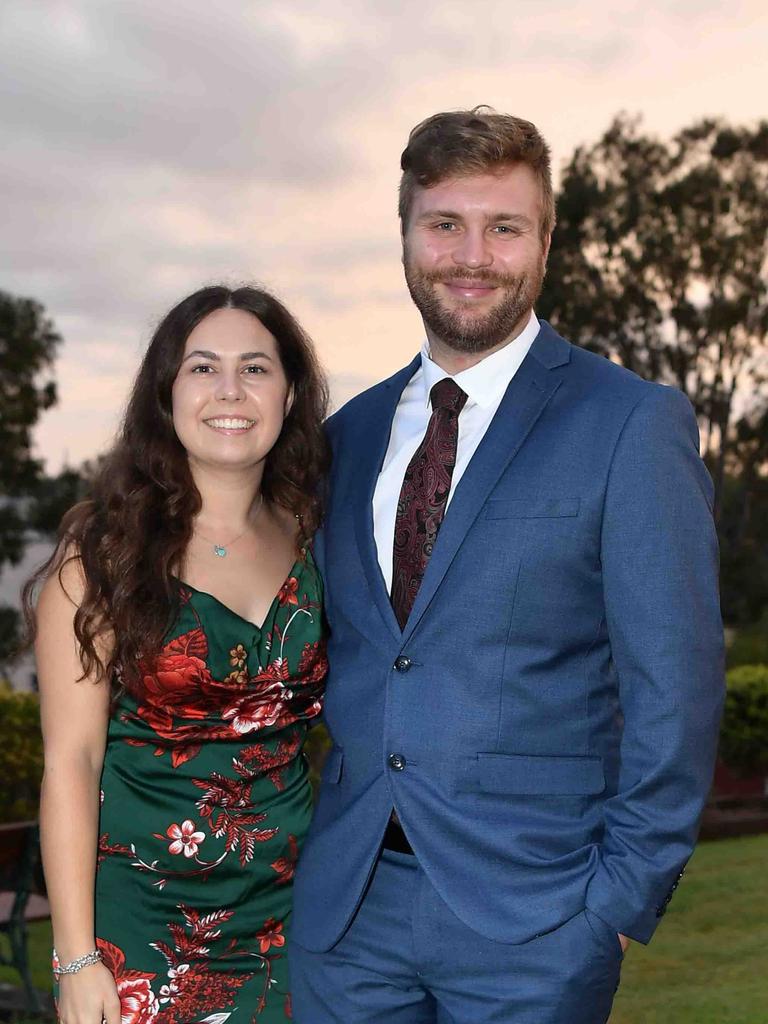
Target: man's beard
465,332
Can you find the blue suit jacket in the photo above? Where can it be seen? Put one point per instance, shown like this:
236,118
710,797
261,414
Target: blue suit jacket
559,707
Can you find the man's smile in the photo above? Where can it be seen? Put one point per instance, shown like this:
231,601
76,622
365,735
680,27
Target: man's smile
468,289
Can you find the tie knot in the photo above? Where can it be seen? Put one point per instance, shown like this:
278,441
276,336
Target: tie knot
447,394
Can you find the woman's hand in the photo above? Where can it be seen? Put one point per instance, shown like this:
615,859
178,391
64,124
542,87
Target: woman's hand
88,997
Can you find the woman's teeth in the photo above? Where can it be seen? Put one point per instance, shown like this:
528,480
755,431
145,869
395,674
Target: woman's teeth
227,423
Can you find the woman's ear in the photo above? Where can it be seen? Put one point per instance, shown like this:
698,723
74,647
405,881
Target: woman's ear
289,399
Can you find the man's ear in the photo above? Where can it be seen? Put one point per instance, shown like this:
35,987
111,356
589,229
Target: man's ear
545,247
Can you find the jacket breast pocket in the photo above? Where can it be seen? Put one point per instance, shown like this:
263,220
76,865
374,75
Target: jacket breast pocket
532,508
538,775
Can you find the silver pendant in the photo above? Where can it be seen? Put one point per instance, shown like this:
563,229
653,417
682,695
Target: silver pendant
219,550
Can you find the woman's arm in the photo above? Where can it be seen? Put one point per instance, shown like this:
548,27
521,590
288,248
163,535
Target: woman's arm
74,715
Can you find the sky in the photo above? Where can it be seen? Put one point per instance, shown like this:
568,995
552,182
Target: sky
150,147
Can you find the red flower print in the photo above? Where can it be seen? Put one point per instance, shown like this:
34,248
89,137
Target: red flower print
178,674
260,709
184,838
138,1003
182,754
168,991
270,935
285,866
287,594
313,664
176,679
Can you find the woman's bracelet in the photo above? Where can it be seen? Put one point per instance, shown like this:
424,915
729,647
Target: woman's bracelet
77,964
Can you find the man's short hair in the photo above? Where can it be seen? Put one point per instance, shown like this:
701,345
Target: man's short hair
478,141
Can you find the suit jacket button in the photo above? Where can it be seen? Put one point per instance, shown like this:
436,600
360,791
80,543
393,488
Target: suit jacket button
403,664
396,762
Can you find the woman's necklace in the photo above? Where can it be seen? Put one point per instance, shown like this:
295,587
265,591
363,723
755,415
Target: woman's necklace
222,550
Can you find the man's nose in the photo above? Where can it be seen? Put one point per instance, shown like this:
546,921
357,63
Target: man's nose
473,250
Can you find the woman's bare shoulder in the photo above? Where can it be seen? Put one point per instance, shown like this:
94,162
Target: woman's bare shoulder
64,587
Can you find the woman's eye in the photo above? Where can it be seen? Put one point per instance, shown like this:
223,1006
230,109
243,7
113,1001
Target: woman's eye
253,369
202,368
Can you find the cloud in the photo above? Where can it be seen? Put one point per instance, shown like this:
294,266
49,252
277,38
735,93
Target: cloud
150,147
193,90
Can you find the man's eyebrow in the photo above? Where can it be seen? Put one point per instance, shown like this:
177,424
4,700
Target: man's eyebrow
442,214
214,357
515,218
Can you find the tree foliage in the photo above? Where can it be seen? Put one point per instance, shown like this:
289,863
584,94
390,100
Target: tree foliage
743,535
660,261
10,626
52,496
28,344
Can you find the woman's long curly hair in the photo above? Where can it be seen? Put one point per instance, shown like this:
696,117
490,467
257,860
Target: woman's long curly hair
130,536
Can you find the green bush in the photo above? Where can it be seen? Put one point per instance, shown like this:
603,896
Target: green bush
750,645
744,733
21,755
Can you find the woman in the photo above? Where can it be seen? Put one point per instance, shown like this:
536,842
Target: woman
180,657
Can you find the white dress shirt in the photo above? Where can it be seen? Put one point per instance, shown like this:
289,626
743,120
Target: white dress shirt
484,384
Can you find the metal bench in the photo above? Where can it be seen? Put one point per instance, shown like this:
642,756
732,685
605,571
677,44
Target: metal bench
22,898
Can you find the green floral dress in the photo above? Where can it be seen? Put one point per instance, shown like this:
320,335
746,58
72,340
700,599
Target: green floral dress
205,803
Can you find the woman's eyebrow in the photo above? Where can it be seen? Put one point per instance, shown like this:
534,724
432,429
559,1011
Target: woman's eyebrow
244,356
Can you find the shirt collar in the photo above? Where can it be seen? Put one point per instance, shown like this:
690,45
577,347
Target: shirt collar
486,381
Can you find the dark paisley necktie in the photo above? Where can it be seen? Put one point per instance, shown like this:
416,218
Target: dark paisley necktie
423,496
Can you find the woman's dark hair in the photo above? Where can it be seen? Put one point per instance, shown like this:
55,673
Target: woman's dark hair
130,536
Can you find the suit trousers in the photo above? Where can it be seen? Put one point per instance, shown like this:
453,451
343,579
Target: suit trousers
407,959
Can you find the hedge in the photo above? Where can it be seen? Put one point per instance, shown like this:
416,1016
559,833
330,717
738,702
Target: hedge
21,755
744,733
750,645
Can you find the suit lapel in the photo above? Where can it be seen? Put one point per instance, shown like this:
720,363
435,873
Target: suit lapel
526,397
374,439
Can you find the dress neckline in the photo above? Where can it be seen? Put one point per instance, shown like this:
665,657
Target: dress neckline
300,562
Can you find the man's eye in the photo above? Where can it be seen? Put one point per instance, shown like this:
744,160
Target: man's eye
445,225
505,229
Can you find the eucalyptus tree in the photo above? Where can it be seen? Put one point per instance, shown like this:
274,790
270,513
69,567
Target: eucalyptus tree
660,261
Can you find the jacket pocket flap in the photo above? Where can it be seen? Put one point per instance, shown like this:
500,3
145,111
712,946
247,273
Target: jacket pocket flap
532,508
331,772
539,775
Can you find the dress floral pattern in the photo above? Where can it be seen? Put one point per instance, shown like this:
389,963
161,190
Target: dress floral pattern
205,804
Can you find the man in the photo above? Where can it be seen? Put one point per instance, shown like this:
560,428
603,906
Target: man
526,647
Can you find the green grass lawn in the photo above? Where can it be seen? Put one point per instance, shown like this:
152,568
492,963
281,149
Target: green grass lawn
707,964
708,961
39,957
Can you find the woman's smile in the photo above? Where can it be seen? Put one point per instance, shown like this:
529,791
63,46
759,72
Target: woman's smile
230,425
